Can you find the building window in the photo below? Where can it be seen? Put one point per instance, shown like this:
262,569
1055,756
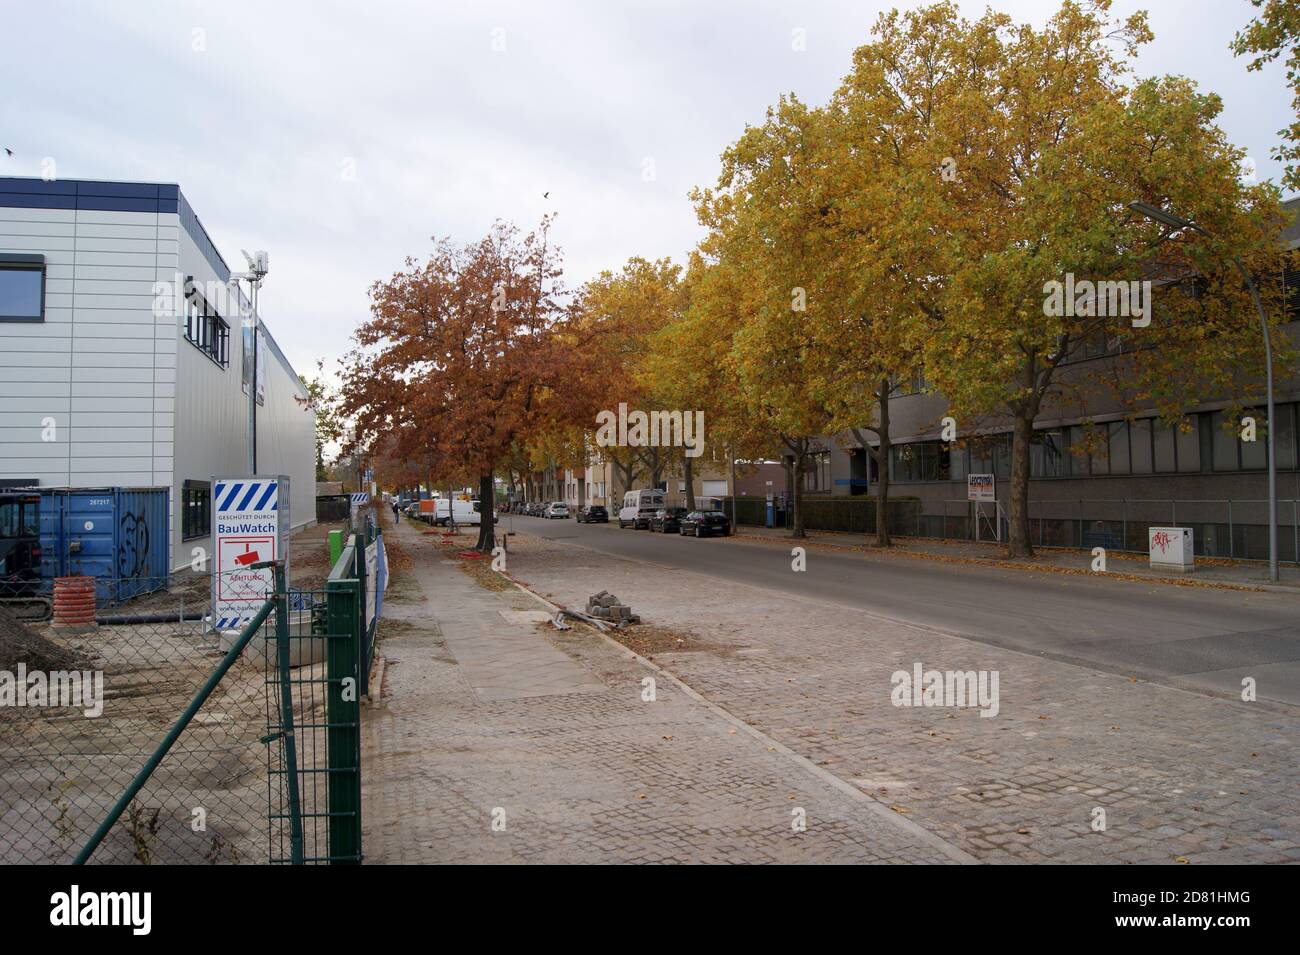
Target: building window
1189,443
1118,447
818,476
1047,457
1224,443
205,329
196,509
1291,286
1163,438
922,461
991,454
1140,444
1286,446
22,287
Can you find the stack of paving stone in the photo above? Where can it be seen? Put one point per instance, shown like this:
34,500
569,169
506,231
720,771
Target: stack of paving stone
605,606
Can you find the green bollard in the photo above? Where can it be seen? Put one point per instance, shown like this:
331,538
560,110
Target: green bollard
336,547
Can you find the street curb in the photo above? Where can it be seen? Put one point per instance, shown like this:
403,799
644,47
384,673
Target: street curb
826,776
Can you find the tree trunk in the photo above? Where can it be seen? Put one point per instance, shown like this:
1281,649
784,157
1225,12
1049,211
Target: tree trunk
882,469
487,513
795,471
688,472
1019,543
796,500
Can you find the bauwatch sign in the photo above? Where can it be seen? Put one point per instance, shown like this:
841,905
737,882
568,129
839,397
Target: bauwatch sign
250,524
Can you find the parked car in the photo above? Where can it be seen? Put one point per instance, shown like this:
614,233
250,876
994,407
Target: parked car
634,502
704,524
557,509
667,519
592,514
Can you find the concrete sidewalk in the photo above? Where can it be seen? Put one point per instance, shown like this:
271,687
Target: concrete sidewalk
1215,571
498,739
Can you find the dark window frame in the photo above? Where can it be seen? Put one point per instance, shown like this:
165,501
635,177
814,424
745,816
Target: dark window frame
205,329
196,509
25,262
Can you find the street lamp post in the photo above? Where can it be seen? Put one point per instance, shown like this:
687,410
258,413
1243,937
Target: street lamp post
257,269
1176,222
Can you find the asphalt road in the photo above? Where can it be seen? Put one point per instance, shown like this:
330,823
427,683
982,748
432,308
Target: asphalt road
1197,638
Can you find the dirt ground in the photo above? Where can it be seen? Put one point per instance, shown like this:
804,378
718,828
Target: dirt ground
60,770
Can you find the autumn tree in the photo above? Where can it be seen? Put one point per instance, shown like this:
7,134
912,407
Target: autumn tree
1017,152
466,347
1274,32
764,244
619,314
322,400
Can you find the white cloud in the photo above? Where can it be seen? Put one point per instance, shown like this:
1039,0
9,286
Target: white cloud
446,134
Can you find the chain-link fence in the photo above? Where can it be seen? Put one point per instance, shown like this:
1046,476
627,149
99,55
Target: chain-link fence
82,709
1236,529
149,737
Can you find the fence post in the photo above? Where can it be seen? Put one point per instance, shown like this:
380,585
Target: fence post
1232,538
343,716
290,742
359,571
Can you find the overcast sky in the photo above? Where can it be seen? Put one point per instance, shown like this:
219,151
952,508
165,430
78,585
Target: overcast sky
341,136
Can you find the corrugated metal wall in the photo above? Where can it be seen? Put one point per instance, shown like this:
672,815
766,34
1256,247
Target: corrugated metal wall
103,370
99,368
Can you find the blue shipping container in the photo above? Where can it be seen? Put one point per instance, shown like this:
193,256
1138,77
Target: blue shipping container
120,536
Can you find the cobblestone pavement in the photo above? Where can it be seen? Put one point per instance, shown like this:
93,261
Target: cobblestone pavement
1180,776
576,763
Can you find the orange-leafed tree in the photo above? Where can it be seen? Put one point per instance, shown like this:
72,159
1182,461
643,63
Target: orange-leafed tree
464,356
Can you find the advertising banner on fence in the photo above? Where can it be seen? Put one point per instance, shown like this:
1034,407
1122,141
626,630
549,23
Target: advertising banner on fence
250,524
981,487
377,577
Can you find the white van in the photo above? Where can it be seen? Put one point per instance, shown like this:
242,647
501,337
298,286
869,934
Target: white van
634,501
465,512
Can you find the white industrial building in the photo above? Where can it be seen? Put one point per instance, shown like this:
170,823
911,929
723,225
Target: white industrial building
122,354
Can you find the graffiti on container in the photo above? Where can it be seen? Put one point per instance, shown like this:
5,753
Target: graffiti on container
133,558
1161,539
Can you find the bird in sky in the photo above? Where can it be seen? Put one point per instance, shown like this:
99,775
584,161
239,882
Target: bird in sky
8,151
546,195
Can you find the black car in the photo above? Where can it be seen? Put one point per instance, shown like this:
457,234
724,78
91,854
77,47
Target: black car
704,523
592,514
667,519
